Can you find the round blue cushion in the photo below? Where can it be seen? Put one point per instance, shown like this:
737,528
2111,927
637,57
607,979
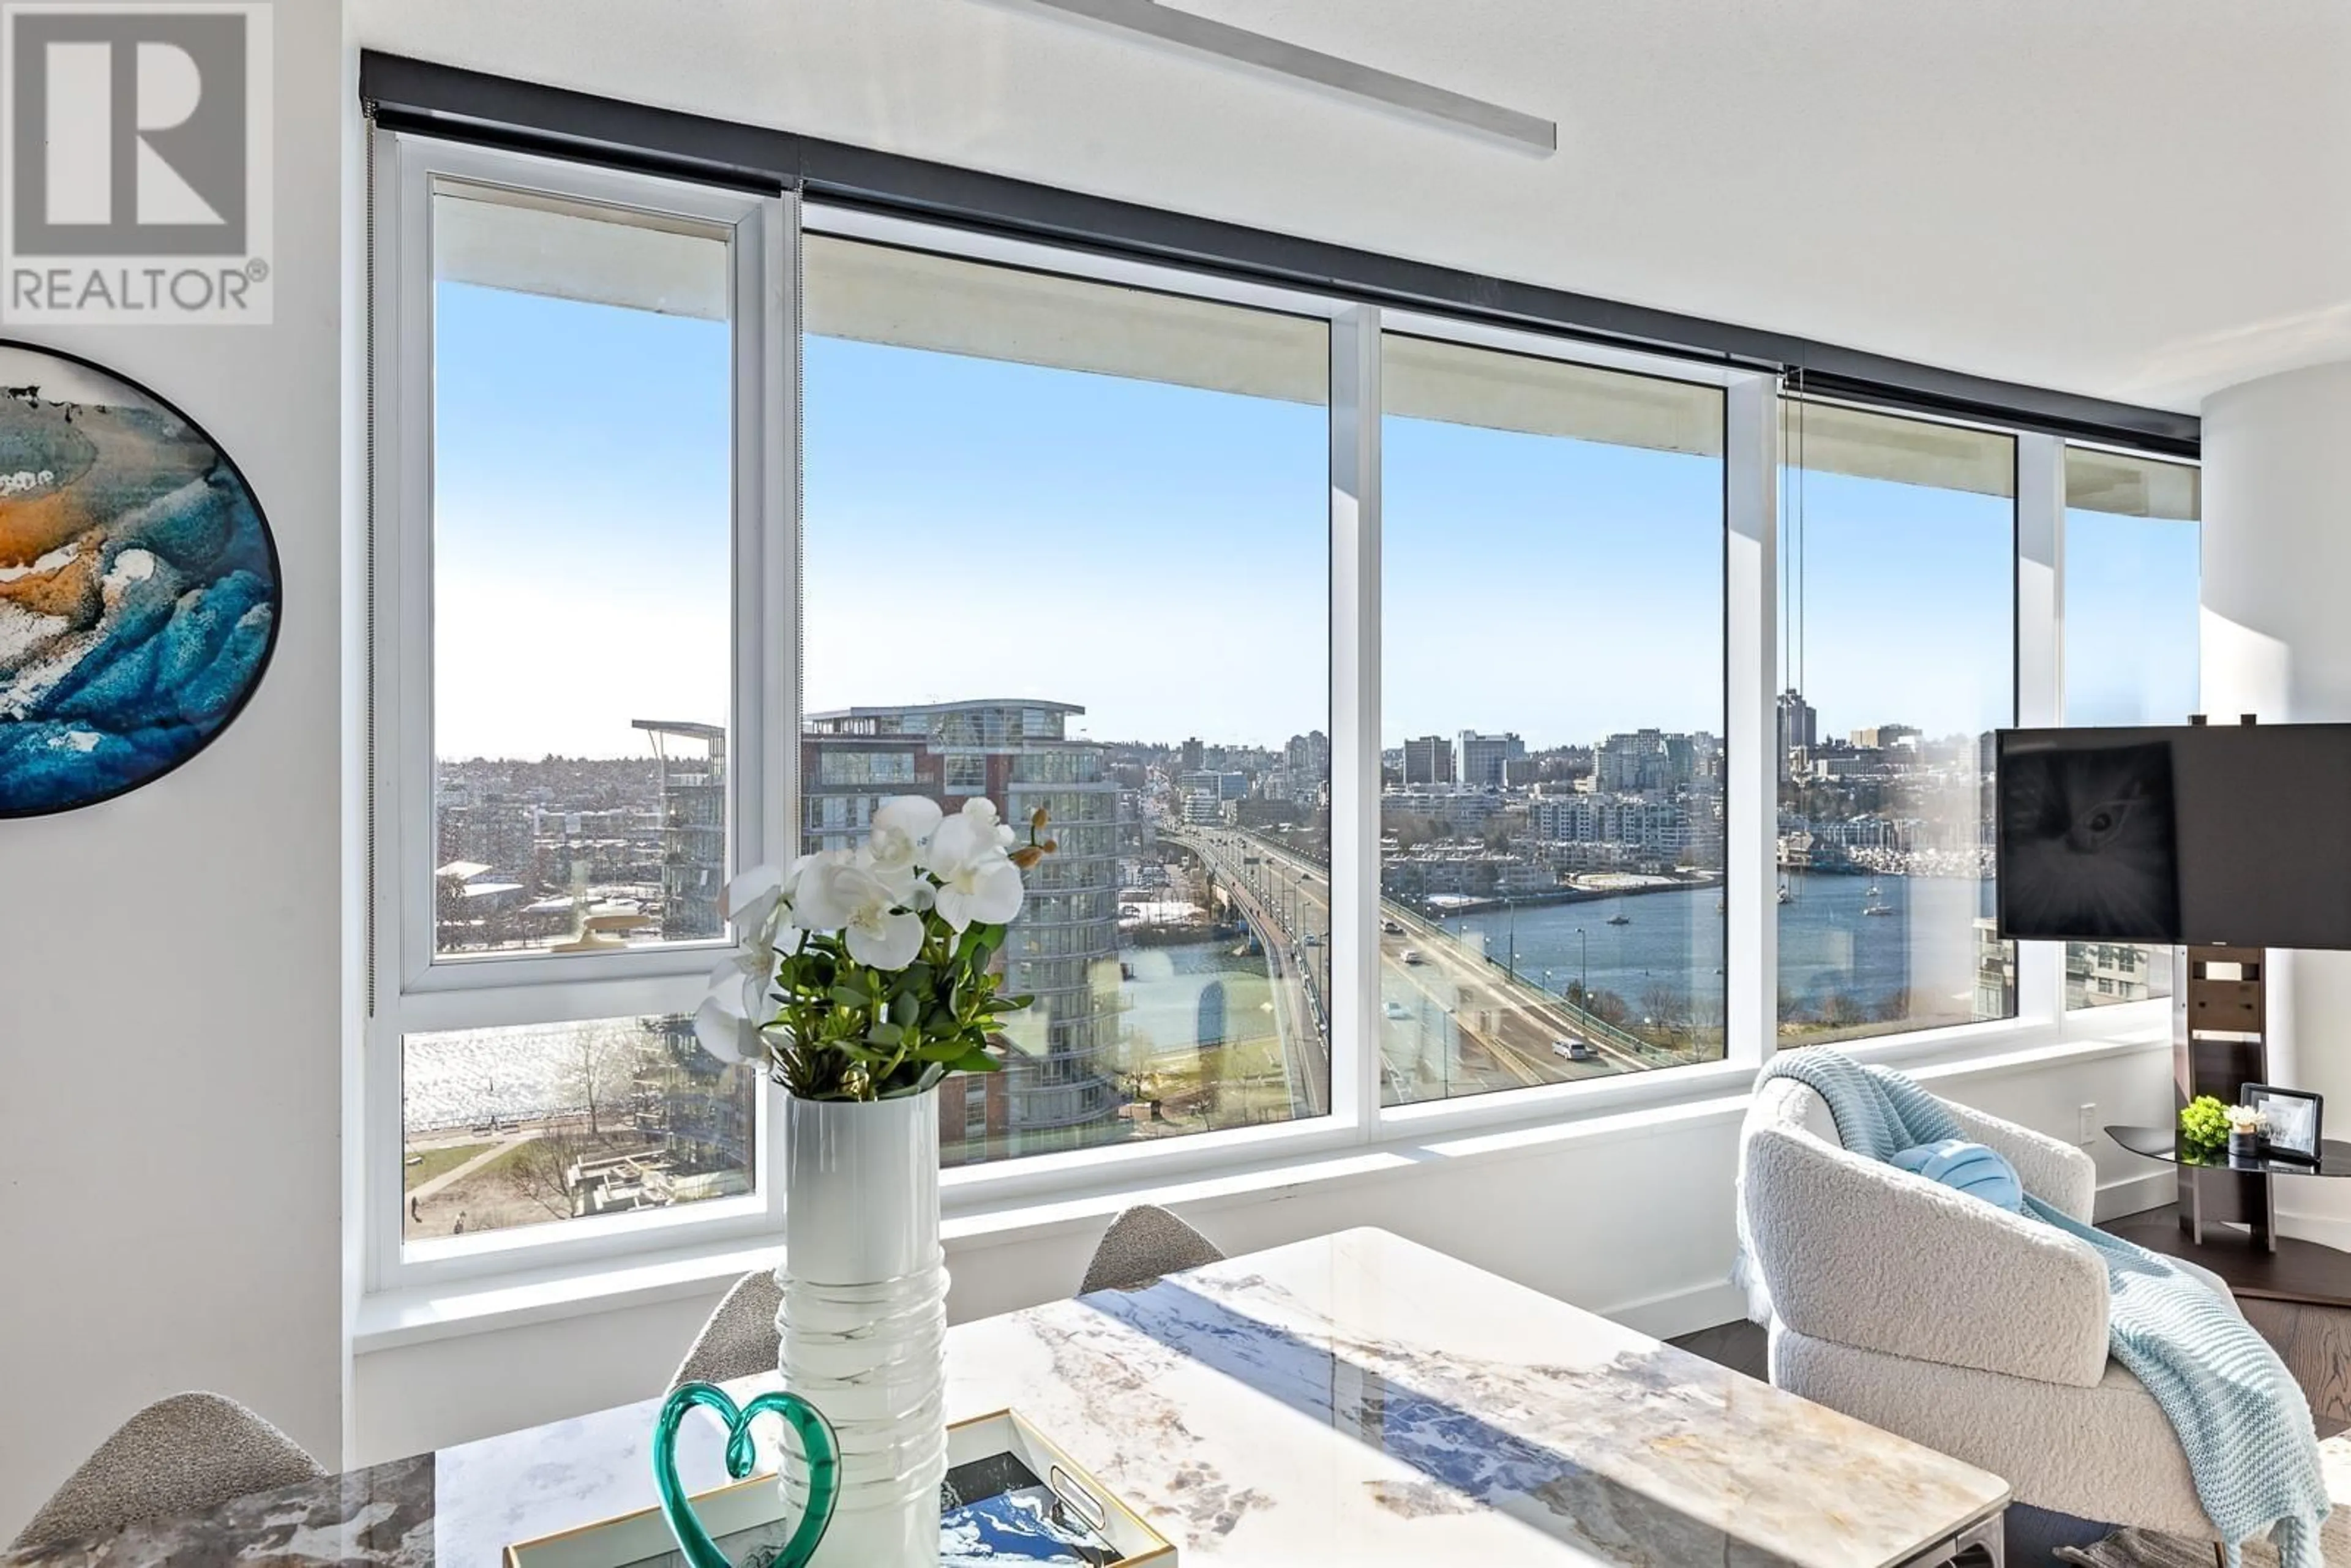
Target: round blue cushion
1967,1167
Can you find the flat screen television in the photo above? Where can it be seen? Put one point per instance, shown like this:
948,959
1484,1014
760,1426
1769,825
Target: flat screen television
2225,835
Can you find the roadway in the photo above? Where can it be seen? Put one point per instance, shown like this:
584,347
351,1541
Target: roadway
1451,1021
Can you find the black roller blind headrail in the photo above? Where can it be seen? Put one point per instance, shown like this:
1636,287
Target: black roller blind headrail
449,101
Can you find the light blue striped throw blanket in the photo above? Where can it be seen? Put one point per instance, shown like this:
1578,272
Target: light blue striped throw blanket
2240,1417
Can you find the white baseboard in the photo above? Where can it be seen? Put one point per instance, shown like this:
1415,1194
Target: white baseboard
1683,1311
2328,1229
2132,1194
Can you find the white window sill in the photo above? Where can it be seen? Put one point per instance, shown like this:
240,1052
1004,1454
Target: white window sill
1516,1125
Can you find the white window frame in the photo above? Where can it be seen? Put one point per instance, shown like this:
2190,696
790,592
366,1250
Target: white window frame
411,988
412,992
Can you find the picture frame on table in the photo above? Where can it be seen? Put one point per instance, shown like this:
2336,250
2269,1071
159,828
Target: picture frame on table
2292,1121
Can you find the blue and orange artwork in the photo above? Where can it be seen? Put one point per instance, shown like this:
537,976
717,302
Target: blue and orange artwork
138,592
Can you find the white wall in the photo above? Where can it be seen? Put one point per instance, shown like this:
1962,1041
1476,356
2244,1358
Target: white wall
2277,642
1637,1225
170,1202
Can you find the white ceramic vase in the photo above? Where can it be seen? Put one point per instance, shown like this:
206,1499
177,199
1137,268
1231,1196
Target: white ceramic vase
864,1318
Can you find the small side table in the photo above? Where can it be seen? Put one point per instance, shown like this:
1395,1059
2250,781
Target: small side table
2163,1144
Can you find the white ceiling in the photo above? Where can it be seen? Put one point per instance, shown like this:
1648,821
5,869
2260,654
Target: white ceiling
2137,199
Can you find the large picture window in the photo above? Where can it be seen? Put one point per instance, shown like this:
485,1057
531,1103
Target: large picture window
1552,805
1067,548
1899,660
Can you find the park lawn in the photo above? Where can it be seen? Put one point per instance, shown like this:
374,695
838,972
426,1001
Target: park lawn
432,1163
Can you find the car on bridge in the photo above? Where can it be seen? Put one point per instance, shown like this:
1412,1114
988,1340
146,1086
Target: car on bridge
1411,956
1574,1047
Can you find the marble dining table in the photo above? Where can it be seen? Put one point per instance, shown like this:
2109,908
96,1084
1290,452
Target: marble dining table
1356,1398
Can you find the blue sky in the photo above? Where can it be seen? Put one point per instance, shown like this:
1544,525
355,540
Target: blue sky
1160,555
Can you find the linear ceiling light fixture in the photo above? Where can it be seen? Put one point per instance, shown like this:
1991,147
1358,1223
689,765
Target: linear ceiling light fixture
1222,39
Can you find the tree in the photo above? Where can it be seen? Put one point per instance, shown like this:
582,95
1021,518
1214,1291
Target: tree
1607,1007
1665,1006
602,1067
539,1171
1840,1010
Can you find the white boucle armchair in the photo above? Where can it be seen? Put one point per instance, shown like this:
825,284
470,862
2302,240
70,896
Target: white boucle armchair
1933,1314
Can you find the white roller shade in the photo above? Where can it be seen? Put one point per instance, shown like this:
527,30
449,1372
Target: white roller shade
912,300
573,251
1826,438
1421,377
2132,487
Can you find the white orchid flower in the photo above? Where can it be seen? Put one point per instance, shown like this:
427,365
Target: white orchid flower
976,880
728,1022
725,1033
758,904
842,892
902,826
981,813
987,890
970,835
752,894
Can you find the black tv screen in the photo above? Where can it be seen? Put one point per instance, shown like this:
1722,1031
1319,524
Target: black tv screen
2234,835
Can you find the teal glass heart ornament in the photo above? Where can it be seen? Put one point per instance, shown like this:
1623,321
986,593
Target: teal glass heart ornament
818,1446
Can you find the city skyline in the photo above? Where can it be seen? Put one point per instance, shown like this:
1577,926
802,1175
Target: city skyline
583,539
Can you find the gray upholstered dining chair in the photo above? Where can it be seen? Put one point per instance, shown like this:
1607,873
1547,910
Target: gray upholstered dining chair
1141,1245
186,1454
739,1339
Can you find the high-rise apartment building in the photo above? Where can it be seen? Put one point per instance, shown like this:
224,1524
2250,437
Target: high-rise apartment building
1308,755
1483,760
1645,761
693,825
1799,726
1428,760
1059,1091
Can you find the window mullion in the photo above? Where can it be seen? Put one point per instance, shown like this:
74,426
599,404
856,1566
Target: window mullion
1751,617
1355,716
776,632
2040,663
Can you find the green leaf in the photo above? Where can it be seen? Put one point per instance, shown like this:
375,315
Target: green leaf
850,996
975,1061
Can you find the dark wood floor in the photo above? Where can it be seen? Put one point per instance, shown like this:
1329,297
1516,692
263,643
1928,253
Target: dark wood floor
1739,1347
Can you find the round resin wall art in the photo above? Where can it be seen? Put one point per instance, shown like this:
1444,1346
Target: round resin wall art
138,594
